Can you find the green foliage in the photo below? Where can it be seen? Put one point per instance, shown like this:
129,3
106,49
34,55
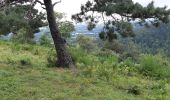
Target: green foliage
86,43
134,90
21,60
51,58
154,66
125,29
66,28
104,53
126,9
131,51
45,40
23,36
104,72
25,61
59,16
24,74
81,57
114,46
14,18
151,41
91,26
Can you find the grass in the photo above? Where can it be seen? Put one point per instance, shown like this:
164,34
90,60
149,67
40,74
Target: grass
24,75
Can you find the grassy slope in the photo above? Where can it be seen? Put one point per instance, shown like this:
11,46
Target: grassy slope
24,76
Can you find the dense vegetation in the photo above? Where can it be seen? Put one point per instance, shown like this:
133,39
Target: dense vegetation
32,75
85,68
117,16
153,40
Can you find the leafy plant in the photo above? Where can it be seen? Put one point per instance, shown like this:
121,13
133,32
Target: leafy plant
86,43
45,40
23,36
154,66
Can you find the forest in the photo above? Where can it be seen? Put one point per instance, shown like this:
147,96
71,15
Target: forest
109,50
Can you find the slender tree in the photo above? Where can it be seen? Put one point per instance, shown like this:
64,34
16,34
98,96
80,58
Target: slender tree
63,57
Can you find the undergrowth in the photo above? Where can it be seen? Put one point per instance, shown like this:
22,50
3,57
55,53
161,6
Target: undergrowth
28,72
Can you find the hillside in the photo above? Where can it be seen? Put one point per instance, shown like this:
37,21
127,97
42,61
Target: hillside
25,74
154,39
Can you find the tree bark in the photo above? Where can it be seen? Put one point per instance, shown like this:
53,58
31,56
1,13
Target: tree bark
64,59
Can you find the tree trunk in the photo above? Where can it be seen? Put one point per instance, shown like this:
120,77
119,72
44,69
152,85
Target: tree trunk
64,58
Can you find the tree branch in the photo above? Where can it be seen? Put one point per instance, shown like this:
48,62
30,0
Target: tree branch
43,8
103,18
56,3
39,2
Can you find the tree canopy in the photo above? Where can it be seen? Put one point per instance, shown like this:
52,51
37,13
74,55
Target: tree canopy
117,16
64,58
15,17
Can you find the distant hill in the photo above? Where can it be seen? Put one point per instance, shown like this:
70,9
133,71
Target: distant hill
150,39
81,28
153,39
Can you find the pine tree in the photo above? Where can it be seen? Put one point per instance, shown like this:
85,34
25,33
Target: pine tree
120,14
64,58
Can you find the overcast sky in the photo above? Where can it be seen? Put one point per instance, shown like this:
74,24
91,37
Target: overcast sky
73,6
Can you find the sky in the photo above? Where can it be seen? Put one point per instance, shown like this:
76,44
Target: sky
70,7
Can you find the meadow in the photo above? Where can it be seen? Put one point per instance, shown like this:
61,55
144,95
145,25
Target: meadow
28,72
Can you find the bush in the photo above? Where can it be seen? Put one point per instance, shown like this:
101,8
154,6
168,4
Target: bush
45,40
23,36
86,43
104,53
128,67
115,46
134,90
80,55
10,60
51,58
25,61
105,72
130,51
154,66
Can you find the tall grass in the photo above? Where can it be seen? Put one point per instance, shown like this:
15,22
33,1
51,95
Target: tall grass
156,65
24,75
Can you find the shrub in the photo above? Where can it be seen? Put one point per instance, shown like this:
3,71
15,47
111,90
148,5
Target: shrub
88,71
115,46
86,43
45,40
130,51
10,60
105,72
51,58
25,61
154,66
16,47
134,90
23,36
83,58
128,67
36,51
26,47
